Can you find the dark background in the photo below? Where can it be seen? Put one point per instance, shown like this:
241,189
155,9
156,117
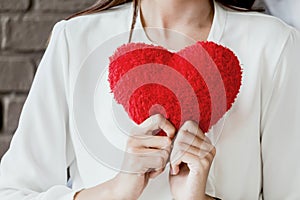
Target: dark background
25,26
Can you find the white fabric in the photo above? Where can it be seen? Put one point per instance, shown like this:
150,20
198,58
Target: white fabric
287,10
260,139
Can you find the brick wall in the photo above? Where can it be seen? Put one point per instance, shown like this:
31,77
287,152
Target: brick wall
24,29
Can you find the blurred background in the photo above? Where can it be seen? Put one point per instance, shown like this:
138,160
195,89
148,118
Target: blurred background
25,26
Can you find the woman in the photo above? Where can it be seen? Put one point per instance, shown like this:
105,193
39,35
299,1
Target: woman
256,152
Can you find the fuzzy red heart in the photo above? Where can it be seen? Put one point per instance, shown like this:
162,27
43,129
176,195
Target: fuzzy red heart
200,83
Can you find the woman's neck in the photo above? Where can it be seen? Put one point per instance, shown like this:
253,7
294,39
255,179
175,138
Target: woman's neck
192,18
173,13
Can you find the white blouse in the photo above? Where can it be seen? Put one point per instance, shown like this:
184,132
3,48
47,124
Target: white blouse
70,119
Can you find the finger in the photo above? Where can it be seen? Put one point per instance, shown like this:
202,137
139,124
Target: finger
147,152
175,164
192,127
194,163
181,149
154,174
157,122
144,160
150,142
174,169
212,153
175,159
200,152
190,139
154,161
183,137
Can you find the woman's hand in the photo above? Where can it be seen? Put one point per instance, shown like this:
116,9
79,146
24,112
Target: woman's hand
145,157
190,160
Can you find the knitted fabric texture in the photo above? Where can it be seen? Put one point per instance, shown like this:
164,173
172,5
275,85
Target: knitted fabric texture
200,82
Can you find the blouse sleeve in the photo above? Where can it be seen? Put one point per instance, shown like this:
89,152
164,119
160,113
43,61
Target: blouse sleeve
35,166
280,127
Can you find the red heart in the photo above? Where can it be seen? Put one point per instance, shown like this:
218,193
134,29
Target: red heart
200,83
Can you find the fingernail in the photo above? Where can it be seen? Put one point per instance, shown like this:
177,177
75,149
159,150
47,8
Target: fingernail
172,171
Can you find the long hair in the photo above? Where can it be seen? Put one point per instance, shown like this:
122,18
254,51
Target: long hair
102,5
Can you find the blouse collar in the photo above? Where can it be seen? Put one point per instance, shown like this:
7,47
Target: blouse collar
216,31
218,24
